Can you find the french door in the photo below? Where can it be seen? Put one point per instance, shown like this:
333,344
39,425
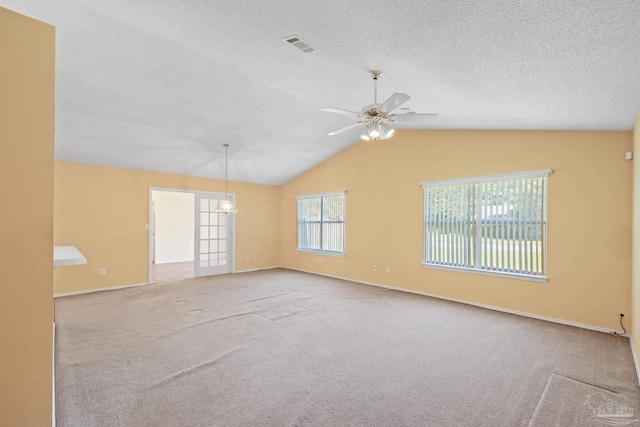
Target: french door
213,236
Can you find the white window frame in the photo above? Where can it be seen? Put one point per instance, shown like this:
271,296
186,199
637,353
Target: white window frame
543,173
344,213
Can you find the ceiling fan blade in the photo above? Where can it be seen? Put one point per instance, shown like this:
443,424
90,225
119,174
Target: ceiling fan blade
339,111
335,132
394,101
412,117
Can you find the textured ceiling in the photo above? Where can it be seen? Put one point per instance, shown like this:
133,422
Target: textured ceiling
161,85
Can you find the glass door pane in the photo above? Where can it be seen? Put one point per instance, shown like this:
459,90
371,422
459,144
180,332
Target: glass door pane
213,236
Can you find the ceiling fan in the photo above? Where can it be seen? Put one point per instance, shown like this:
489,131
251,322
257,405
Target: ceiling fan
377,117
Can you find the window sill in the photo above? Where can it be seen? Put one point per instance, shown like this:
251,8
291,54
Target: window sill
336,254
507,275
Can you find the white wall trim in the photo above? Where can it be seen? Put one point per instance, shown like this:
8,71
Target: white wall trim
53,378
379,285
505,274
257,269
635,358
312,252
135,285
489,307
542,173
90,291
315,196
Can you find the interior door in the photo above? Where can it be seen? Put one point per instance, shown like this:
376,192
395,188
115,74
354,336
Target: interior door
213,236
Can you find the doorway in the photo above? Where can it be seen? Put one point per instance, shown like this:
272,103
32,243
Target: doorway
187,237
172,233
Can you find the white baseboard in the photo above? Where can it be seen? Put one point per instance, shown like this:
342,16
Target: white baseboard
379,285
256,269
90,291
113,288
489,307
53,378
635,358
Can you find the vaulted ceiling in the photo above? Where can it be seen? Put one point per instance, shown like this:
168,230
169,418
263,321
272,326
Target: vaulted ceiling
161,85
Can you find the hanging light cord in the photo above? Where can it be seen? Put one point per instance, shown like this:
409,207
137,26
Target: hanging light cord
226,170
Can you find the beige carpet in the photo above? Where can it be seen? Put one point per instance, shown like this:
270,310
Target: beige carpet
565,401
283,348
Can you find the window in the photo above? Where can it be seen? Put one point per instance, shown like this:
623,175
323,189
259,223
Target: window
321,223
493,224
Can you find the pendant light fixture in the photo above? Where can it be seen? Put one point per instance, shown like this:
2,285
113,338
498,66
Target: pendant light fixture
226,206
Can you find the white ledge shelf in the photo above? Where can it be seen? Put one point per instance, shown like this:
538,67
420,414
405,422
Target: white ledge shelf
509,275
67,255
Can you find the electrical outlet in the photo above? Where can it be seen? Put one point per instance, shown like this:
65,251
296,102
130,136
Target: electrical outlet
388,270
103,271
248,257
375,268
320,260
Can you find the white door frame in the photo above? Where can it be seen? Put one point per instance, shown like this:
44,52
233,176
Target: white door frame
150,227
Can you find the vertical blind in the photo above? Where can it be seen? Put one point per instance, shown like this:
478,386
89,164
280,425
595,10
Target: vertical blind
493,224
321,223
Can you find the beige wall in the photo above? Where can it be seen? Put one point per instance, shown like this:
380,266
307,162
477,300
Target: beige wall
103,211
27,73
589,216
634,322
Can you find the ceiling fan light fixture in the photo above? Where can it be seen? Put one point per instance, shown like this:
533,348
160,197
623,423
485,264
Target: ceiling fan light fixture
365,135
374,133
386,130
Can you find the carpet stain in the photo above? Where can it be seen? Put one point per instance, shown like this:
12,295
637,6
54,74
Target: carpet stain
193,369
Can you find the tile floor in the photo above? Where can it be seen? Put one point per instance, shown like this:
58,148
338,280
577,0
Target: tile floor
172,271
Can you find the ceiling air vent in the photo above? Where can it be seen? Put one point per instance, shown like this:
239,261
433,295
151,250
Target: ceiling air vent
299,43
